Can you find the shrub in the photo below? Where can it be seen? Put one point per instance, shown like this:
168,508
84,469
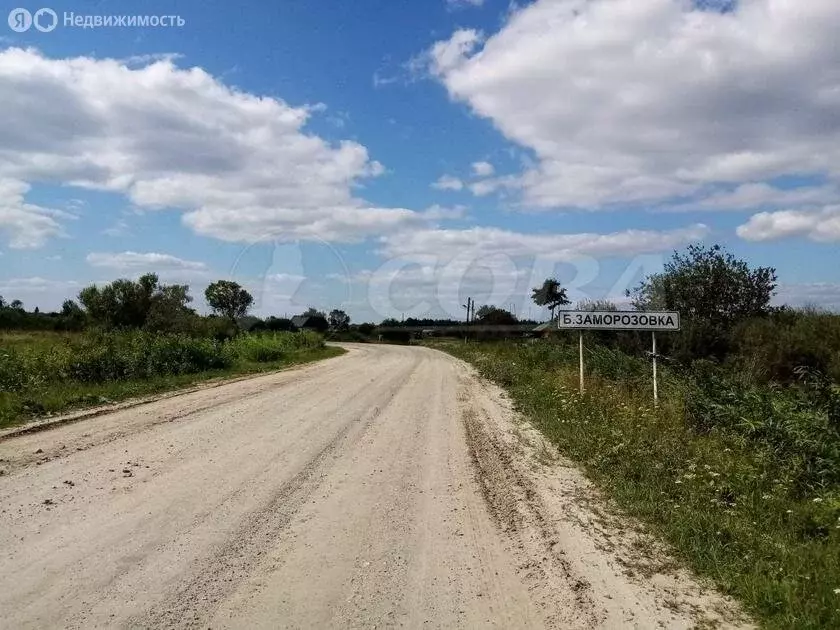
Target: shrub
789,340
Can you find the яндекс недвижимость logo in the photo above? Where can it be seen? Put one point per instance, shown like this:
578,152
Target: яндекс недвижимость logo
44,20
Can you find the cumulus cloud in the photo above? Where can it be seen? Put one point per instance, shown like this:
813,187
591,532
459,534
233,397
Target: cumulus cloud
445,243
26,224
821,225
135,261
761,195
241,167
491,185
483,169
433,270
448,182
638,101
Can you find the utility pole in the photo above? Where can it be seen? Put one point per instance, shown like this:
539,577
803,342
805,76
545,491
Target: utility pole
470,306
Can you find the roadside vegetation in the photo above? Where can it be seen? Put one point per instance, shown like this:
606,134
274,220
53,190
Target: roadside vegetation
133,338
739,467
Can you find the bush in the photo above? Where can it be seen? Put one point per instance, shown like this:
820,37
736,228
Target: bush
396,336
775,347
118,356
267,347
366,329
797,428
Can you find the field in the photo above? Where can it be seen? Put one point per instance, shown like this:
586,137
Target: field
44,373
742,480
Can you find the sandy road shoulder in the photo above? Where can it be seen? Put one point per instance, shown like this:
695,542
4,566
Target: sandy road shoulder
576,550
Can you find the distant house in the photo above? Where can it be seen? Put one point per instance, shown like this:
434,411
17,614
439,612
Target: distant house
310,322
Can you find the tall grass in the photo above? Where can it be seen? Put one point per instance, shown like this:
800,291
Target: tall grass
44,372
742,480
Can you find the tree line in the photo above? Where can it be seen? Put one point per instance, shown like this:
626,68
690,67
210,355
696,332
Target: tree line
148,304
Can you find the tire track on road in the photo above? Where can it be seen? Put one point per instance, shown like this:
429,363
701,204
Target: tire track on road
192,604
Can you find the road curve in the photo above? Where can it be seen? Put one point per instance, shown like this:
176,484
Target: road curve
388,487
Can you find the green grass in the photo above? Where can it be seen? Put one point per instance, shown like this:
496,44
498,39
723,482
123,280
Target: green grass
752,500
43,374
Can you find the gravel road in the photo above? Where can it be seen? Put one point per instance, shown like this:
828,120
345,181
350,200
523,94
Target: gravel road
388,487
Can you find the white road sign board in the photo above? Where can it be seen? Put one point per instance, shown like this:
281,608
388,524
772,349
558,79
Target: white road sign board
652,321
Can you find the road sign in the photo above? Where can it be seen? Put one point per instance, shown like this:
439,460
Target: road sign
650,321
619,320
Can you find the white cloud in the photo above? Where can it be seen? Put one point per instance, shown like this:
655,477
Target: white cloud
820,294
822,225
434,270
380,79
638,101
437,212
35,282
241,167
445,243
489,186
142,262
26,225
460,4
758,195
448,182
483,169
285,278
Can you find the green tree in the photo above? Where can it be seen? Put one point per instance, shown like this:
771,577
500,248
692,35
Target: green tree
493,315
550,295
339,320
168,311
713,291
72,316
128,304
228,299
708,283
279,324
314,312
367,328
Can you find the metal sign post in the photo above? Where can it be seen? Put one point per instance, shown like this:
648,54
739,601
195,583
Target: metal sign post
581,363
652,321
655,384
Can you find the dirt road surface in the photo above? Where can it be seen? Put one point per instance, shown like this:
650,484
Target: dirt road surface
388,487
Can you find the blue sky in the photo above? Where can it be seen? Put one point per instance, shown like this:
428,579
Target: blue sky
393,158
